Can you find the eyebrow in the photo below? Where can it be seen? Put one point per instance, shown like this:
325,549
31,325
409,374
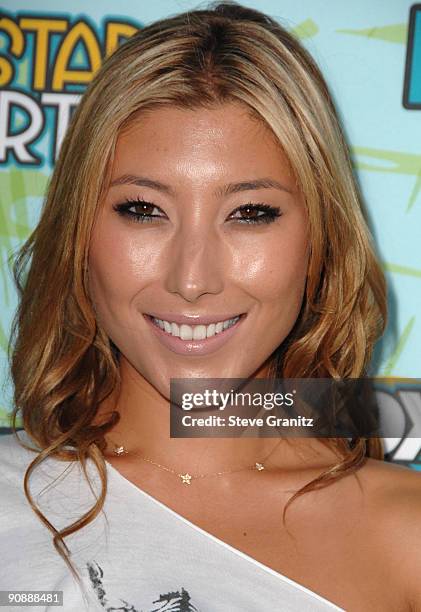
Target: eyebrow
141,181
262,183
225,190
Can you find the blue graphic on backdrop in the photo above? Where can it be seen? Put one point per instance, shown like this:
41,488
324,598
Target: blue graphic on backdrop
412,88
46,62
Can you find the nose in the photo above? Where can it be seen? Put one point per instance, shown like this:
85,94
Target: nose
195,265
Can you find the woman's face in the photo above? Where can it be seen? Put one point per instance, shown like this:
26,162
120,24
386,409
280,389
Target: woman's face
202,224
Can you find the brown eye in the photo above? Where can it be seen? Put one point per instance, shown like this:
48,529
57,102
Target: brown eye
250,213
139,211
144,208
255,213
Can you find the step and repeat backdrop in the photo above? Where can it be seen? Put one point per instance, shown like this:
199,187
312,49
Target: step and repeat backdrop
370,54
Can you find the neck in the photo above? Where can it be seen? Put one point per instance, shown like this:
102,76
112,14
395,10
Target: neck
144,429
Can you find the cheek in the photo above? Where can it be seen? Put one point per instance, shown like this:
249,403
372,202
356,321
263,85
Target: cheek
119,266
275,268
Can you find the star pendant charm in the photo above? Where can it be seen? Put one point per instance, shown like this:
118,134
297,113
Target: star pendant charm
185,478
120,450
259,466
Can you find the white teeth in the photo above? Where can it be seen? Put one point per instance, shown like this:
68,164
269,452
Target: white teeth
210,330
194,332
199,332
186,332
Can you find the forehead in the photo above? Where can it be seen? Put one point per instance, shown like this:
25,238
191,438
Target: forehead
200,144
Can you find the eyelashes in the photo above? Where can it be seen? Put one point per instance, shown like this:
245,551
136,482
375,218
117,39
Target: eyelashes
144,213
250,213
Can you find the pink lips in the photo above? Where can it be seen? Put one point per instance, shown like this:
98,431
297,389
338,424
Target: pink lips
194,347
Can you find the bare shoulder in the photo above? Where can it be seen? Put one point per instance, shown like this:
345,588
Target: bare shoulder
395,486
375,469
393,505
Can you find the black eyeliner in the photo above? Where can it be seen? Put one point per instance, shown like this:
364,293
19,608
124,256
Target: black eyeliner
123,209
270,212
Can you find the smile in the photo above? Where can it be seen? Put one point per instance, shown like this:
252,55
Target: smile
201,339
194,332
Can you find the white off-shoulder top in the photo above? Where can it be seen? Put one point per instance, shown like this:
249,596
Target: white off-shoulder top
138,555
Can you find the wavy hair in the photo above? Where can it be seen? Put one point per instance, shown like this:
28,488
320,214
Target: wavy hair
63,364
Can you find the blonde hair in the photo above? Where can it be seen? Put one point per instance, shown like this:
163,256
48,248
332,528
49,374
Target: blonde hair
63,364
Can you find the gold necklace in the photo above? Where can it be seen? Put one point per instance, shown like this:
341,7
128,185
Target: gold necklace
187,478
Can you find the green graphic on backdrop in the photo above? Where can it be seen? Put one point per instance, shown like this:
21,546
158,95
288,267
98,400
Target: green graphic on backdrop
17,188
393,33
391,267
393,162
402,341
306,29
